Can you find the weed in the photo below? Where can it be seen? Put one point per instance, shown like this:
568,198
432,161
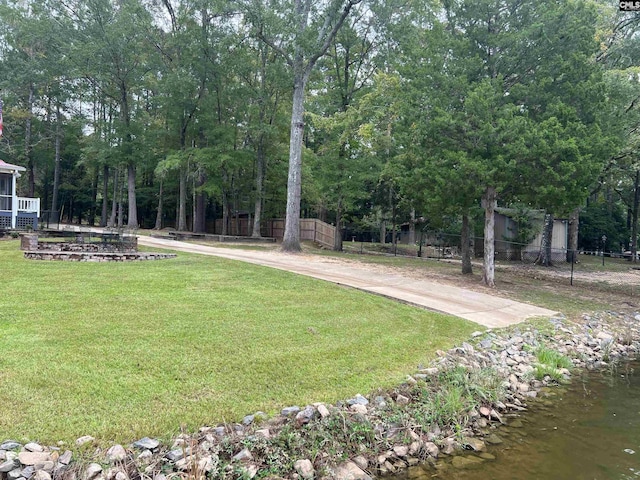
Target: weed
450,398
551,358
549,364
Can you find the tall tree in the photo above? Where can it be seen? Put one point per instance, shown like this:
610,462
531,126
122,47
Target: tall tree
301,31
115,60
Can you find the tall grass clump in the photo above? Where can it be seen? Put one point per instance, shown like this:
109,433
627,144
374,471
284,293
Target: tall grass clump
449,399
549,362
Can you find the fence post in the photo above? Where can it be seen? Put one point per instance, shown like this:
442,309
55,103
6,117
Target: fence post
573,261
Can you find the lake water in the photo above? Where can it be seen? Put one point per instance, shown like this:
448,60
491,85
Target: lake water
588,430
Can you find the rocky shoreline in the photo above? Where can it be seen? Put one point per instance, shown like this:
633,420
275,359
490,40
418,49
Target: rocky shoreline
454,405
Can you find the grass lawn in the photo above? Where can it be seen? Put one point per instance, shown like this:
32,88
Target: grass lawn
124,350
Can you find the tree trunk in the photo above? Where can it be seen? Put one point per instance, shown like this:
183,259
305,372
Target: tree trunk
337,243
412,227
394,233
131,196
490,203
574,223
120,206
465,245
236,217
291,239
260,172
105,194
634,218
200,211
94,197
56,168
114,200
158,225
544,257
27,143
225,214
383,232
182,201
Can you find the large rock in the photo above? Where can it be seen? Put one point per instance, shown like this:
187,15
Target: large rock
14,474
84,440
147,443
65,458
432,449
287,412
175,455
33,458
493,439
359,400
348,471
41,475
358,408
7,466
304,416
243,455
323,411
34,447
474,444
116,453
361,462
9,445
305,469
401,450
465,462
92,471
28,472
604,337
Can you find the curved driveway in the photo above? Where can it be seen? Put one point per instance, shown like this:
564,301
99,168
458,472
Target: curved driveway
487,310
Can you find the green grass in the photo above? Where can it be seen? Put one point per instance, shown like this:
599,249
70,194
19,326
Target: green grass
449,399
124,350
549,363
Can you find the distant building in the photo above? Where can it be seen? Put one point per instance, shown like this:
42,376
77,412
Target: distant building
15,212
506,230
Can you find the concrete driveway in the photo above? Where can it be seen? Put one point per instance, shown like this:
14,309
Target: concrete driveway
486,310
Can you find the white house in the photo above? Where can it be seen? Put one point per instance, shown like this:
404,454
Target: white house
15,212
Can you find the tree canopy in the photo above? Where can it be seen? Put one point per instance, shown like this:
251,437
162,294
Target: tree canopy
368,114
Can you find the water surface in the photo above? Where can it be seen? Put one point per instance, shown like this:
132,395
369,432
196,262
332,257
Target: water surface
589,430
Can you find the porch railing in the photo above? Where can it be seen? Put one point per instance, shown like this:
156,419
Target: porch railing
29,205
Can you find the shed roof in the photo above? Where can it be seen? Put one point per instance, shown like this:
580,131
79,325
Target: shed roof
7,167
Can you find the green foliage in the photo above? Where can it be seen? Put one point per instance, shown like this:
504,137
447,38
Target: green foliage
448,400
602,217
417,106
549,362
527,223
552,358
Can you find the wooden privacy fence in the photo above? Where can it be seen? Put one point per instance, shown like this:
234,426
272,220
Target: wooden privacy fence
310,229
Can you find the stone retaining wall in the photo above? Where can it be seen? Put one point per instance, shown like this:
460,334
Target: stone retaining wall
95,256
127,247
123,250
80,243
